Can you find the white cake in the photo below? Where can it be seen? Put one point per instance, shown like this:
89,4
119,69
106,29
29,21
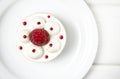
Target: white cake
48,47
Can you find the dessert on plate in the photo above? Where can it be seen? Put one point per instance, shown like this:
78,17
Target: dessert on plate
41,37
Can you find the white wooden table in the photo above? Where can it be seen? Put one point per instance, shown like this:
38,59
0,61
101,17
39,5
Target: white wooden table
107,62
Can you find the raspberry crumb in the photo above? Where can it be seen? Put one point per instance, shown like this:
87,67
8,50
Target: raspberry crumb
24,23
20,47
46,56
50,44
51,28
38,23
61,37
33,50
24,36
48,16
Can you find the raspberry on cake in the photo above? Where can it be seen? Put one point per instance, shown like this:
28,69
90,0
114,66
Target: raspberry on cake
39,37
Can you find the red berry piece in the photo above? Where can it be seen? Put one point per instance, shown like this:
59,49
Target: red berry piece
33,50
46,56
20,47
38,23
24,36
51,28
24,23
48,16
50,44
61,37
39,37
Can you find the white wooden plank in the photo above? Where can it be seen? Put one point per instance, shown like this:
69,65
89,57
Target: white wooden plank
104,72
109,2
108,20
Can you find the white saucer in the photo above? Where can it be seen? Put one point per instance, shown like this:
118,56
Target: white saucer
78,54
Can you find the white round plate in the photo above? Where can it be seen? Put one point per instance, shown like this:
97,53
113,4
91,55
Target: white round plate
78,54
